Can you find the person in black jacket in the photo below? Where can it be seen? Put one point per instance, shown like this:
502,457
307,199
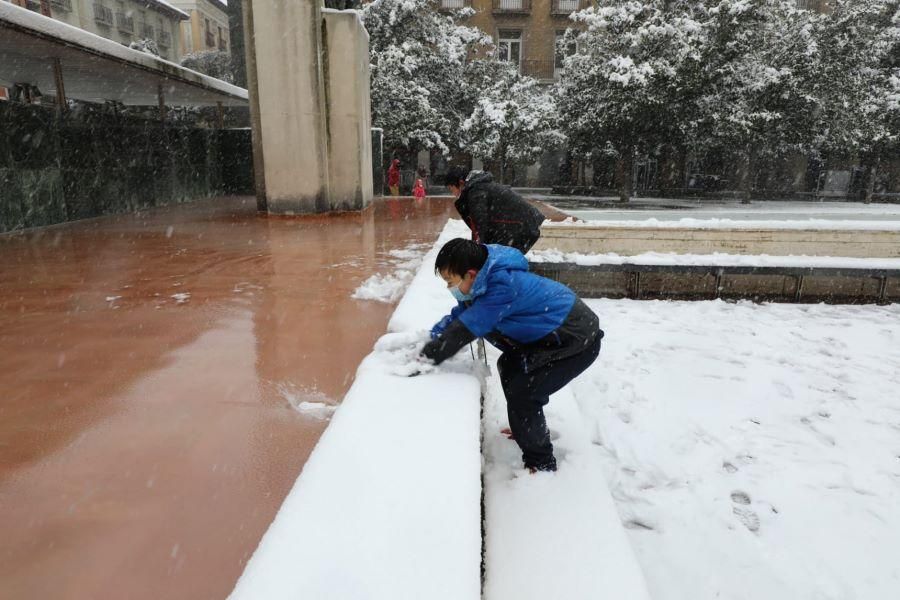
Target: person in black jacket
494,212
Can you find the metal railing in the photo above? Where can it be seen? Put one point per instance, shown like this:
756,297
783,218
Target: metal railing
565,7
103,14
124,23
65,5
165,38
544,70
809,4
511,6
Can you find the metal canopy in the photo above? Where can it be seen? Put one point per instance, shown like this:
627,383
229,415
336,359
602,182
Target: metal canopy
96,69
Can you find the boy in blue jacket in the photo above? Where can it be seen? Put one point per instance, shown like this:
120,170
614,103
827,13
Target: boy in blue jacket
548,336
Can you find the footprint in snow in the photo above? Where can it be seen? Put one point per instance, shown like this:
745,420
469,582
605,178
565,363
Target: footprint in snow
746,516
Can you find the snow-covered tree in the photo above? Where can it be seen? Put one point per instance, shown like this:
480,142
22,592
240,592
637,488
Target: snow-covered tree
857,80
627,88
418,62
756,103
214,63
145,45
513,118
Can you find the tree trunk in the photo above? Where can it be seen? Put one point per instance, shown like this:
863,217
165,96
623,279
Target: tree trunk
502,161
869,182
745,177
624,168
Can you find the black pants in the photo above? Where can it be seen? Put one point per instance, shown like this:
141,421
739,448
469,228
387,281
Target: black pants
527,393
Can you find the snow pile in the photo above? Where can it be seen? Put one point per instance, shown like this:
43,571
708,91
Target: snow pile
715,259
383,288
308,401
753,451
552,535
388,504
390,286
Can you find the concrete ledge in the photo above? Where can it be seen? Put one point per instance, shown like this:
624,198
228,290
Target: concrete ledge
586,239
692,282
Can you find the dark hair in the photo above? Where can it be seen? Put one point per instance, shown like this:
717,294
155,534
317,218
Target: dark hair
455,174
459,255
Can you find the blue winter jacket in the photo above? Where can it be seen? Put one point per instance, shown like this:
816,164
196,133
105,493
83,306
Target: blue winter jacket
506,298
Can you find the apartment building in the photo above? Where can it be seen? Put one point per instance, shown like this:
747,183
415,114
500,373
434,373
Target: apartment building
123,21
525,31
207,28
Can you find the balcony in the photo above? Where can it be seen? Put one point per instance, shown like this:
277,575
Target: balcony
448,5
65,5
566,7
502,7
147,32
165,39
124,23
103,15
542,70
813,5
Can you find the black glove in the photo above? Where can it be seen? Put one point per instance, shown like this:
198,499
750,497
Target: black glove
454,337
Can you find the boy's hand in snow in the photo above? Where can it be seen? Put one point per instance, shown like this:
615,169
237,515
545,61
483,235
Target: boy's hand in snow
430,350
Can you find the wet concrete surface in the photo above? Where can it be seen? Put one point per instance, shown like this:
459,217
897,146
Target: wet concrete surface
151,365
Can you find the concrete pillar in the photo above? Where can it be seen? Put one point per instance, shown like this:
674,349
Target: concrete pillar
346,44
288,103
310,106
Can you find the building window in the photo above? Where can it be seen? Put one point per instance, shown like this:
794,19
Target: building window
509,46
223,44
210,36
453,4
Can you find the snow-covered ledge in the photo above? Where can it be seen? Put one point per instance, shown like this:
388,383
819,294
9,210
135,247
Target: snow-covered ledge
813,237
389,503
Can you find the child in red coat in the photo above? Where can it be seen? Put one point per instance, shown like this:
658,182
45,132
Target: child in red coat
419,189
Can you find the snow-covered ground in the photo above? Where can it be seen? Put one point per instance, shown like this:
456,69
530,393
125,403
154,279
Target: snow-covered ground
714,450
552,535
753,451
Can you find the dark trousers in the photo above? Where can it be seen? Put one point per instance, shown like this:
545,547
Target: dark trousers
527,393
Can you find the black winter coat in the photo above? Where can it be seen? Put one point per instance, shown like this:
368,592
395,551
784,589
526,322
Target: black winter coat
498,215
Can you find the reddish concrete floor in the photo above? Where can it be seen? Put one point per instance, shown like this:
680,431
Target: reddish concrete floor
146,444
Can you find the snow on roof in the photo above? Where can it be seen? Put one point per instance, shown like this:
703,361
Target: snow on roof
167,7
93,66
